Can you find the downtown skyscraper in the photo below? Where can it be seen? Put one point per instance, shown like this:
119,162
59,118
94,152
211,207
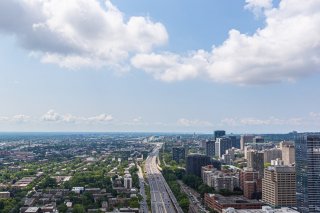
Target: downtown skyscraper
210,148
308,172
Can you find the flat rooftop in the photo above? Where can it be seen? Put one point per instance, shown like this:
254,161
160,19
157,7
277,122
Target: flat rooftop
236,199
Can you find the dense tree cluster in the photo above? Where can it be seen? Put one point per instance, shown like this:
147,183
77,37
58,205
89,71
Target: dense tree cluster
90,180
196,183
6,205
48,182
171,177
135,177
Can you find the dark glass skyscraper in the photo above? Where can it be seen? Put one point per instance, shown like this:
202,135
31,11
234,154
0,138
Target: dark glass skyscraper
308,172
178,154
210,145
219,134
235,141
195,162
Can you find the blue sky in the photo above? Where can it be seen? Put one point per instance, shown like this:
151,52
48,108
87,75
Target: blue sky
182,66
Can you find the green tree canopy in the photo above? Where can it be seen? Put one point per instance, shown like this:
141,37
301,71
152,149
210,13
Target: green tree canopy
78,208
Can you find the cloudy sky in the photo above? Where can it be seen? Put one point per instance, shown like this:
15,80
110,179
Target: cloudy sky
246,66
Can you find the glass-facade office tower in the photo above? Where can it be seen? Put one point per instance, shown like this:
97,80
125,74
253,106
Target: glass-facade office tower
195,162
218,134
178,154
210,145
308,172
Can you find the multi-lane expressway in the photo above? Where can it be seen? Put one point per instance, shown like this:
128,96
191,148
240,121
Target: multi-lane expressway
143,203
162,198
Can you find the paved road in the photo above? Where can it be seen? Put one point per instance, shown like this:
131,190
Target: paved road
162,198
143,203
194,197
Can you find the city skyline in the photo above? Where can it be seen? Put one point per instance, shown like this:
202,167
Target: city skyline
113,66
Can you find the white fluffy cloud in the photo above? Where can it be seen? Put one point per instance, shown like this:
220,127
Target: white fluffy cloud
88,33
286,49
137,119
172,67
272,121
258,6
193,123
52,116
3,118
20,118
101,118
77,33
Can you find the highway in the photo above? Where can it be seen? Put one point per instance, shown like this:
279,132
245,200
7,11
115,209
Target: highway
143,203
194,197
162,198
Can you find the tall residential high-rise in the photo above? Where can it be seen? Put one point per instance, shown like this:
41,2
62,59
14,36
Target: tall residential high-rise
202,144
288,152
221,145
219,134
272,154
217,179
195,162
250,183
307,163
178,154
210,145
245,139
255,160
206,171
279,186
229,157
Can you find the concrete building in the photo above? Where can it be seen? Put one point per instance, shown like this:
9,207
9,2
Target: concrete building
217,179
33,210
24,182
250,183
221,145
78,190
14,168
220,180
246,150
279,186
178,154
226,158
210,147
308,169
288,152
264,209
205,171
127,181
229,157
131,210
272,154
218,202
195,162
277,162
244,139
202,144
4,195
255,160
